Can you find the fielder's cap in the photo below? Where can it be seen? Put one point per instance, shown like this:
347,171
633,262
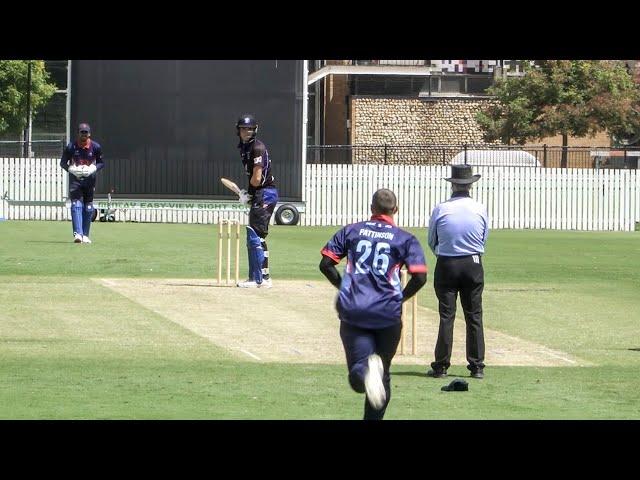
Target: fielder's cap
462,174
83,127
458,385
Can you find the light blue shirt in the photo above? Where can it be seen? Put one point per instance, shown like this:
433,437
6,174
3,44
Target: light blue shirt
458,227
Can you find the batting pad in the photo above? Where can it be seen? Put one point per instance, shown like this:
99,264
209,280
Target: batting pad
76,216
87,213
256,255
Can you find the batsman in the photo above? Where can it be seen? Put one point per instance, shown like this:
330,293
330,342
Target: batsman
261,195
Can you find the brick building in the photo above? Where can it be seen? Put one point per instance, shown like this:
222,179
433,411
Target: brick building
402,102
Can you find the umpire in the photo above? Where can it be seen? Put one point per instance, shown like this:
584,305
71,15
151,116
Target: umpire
458,231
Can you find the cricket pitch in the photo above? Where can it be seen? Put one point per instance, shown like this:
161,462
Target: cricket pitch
295,322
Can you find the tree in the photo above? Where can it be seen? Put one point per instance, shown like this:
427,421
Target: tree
563,97
14,90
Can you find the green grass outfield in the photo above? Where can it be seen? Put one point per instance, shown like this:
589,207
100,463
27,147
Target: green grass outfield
106,357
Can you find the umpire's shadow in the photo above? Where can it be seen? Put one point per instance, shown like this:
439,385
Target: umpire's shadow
424,374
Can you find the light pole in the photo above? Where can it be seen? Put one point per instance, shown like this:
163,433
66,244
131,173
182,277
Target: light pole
27,131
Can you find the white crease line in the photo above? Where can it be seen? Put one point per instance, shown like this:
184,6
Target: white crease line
557,356
108,282
250,354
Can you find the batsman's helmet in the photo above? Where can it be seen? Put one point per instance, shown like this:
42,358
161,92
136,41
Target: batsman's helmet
247,121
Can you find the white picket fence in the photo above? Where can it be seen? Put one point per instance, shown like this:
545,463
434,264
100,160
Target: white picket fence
515,197
27,185
36,180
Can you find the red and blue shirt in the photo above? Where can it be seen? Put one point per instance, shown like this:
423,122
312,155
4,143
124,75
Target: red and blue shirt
370,294
76,154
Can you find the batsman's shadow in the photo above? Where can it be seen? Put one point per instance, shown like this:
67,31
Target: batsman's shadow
206,285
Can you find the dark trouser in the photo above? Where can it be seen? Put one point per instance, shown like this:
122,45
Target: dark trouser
262,207
358,344
82,189
464,275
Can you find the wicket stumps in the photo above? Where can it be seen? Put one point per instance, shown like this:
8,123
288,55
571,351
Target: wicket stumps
414,319
221,236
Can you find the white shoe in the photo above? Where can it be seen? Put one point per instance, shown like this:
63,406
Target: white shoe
85,239
373,382
77,238
252,284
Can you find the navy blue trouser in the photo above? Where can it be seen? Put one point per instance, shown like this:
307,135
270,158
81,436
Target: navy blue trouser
262,206
358,344
81,196
82,189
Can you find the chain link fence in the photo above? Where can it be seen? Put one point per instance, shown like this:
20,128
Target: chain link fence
33,149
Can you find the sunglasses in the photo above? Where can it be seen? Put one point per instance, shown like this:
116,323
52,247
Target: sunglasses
84,131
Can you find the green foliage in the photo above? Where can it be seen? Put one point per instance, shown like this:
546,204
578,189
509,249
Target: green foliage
13,93
563,97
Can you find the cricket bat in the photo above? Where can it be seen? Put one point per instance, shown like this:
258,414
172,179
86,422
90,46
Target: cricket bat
230,185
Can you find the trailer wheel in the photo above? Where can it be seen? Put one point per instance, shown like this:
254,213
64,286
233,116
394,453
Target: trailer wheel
287,214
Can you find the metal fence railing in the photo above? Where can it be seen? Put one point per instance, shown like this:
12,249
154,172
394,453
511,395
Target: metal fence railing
33,149
477,155
395,63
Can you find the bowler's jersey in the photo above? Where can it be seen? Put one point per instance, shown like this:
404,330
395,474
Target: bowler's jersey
255,154
371,292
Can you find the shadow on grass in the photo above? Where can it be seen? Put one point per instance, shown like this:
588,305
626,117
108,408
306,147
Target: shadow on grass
450,376
199,285
410,374
48,241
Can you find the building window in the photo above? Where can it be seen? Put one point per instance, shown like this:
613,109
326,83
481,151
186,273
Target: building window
50,123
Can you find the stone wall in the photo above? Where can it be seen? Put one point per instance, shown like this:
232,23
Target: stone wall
398,122
404,122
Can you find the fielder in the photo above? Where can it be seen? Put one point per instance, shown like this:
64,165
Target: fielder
262,195
82,159
370,295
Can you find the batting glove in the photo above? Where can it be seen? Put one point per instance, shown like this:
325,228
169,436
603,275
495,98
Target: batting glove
77,171
90,169
244,197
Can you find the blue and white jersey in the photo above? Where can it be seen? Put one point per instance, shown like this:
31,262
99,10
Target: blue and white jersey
370,294
458,227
